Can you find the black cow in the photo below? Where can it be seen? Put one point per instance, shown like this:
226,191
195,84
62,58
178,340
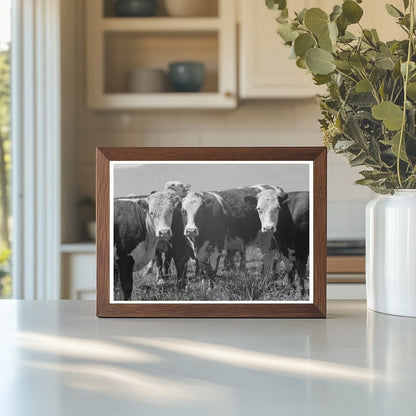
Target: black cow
139,225
129,232
205,229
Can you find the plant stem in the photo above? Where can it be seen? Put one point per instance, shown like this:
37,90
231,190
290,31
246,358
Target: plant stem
406,80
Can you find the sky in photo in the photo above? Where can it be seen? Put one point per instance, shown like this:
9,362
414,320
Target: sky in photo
141,179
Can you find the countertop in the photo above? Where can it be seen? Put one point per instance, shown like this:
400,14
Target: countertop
57,358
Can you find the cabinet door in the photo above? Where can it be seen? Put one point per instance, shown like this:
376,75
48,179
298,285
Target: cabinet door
78,276
265,68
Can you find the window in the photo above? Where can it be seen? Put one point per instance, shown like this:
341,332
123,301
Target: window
5,147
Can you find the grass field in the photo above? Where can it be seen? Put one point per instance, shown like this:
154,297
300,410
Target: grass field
249,285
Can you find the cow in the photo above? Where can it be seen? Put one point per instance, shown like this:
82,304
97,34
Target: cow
164,252
287,218
205,219
244,226
223,220
139,225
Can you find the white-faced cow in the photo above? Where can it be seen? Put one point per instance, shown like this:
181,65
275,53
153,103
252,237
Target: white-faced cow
205,218
138,227
164,250
288,219
244,226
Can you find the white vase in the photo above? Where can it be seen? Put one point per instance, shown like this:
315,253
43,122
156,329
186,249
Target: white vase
391,253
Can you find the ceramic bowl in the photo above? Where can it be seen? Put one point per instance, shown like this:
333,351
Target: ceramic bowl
147,80
186,76
135,8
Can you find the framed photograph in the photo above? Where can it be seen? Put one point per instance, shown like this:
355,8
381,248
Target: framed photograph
211,232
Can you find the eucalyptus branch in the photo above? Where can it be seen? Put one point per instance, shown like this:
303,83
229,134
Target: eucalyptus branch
373,88
346,75
406,80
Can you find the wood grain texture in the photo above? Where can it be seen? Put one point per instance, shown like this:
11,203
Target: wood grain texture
346,264
317,309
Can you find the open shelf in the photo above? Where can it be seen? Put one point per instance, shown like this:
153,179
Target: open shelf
119,45
80,247
126,51
160,24
211,9
167,100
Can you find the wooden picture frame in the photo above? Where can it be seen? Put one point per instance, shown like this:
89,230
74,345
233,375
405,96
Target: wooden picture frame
315,157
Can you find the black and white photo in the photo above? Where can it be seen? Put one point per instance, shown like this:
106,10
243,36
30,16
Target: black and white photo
210,231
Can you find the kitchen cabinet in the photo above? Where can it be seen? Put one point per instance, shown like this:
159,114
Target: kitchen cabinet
118,45
78,263
265,70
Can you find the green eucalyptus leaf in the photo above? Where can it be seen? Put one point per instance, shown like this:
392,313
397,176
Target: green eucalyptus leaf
287,33
388,112
363,86
325,42
394,146
365,182
276,4
384,62
342,25
351,11
343,145
320,61
316,20
374,174
344,65
358,61
303,43
375,35
393,11
411,90
336,12
368,36
321,79
405,21
347,37
281,19
412,67
301,15
333,32
358,160
301,63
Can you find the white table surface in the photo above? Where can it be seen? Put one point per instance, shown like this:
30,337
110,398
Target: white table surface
57,358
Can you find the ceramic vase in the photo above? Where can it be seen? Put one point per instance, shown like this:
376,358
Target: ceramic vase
391,253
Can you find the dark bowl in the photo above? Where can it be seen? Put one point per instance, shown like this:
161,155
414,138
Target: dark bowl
135,8
186,76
